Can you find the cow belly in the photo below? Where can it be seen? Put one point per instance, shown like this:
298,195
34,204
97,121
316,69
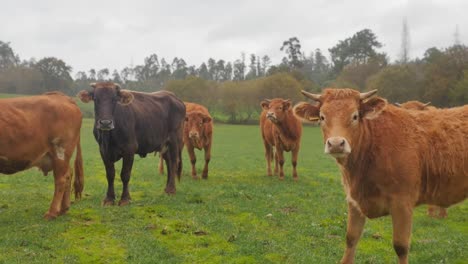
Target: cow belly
13,166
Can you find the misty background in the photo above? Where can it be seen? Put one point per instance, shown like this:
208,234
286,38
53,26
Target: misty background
231,55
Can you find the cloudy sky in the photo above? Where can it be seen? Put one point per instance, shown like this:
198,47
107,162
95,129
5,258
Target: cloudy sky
114,34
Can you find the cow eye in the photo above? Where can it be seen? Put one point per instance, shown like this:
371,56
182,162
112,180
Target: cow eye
322,118
355,117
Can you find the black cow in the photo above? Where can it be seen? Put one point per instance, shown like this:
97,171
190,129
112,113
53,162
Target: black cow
129,123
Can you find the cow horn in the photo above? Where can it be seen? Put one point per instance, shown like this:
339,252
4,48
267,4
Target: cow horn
364,96
428,103
93,85
312,96
267,100
397,104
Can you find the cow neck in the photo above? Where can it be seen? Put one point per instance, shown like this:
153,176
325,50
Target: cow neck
360,158
288,127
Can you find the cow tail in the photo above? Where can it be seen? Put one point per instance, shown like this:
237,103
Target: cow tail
78,184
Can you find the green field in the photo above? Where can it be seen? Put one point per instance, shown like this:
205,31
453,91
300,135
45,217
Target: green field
238,215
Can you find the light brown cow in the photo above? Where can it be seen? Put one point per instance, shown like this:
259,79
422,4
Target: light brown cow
432,210
391,159
281,130
43,131
198,133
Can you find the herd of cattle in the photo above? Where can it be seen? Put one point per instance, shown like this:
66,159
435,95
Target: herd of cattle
391,157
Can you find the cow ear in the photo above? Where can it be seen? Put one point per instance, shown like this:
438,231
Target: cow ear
265,104
206,119
286,104
307,112
372,107
85,96
126,97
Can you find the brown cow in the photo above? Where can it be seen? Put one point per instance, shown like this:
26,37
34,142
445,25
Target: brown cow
391,159
415,105
43,131
282,130
198,133
432,210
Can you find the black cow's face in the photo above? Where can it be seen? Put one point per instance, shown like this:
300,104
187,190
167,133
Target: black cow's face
106,95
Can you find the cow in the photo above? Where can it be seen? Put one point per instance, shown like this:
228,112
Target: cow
129,123
432,210
198,133
43,131
391,159
282,130
415,105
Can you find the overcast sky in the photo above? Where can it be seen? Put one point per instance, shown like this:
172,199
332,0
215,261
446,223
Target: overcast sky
113,34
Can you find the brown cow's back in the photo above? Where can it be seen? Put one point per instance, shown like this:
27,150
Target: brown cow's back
36,121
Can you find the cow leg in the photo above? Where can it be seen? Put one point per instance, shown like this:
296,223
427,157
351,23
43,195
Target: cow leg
402,215
127,164
280,160
354,229
170,156
207,160
66,195
295,153
62,178
436,211
268,157
276,163
110,175
193,161
161,164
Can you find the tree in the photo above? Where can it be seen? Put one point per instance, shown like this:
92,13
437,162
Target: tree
92,75
397,83
179,69
103,74
56,74
292,47
239,69
252,74
357,49
7,56
116,77
203,72
458,95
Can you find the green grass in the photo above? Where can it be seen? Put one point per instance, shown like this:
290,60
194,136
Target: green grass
238,215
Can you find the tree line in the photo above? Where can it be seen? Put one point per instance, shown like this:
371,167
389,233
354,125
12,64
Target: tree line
233,90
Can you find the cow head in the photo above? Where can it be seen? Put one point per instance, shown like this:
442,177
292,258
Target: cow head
276,109
414,105
341,113
195,123
105,96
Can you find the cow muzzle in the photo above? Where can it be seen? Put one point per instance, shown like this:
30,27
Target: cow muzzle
105,124
271,116
337,147
193,135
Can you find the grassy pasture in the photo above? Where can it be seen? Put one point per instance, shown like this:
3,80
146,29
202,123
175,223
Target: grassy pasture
239,215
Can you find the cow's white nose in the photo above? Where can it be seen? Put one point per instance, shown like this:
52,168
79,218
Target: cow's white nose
337,146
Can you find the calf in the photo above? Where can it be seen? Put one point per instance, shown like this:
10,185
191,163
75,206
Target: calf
391,159
282,130
129,123
198,133
43,131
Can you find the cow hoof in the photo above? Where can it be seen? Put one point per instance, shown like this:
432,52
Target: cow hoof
124,202
170,191
295,179
281,178
63,211
108,202
49,216
205,177
195,177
